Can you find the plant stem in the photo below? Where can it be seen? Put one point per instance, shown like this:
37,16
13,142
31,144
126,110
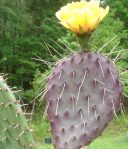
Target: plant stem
85,41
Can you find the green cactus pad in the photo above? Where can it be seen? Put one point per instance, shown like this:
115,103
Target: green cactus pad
14,131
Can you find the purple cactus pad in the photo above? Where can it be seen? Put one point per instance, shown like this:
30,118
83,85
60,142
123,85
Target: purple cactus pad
83,94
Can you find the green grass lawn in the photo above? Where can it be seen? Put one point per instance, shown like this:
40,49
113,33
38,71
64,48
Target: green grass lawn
115,136
112,142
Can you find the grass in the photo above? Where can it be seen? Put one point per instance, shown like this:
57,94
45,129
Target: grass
115,142
115,136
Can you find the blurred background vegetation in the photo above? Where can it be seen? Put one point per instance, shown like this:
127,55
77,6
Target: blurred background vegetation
29,28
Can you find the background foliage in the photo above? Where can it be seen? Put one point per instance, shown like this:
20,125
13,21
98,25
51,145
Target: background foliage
26,27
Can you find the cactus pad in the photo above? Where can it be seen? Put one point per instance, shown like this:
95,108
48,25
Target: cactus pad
14,131
82,96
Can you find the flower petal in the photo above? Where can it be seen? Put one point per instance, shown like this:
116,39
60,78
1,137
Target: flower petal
94,23
104,12
82,17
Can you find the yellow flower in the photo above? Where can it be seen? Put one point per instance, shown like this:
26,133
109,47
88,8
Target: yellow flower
82,17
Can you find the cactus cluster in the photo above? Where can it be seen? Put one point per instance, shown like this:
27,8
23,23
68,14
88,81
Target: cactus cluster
14,131
82,96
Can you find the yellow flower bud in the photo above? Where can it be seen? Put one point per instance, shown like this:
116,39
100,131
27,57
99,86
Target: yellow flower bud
82,17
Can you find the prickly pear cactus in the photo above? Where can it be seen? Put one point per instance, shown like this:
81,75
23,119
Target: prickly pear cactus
83,94
14,131
84,91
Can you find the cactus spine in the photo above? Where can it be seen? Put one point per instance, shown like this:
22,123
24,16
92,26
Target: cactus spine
14,131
